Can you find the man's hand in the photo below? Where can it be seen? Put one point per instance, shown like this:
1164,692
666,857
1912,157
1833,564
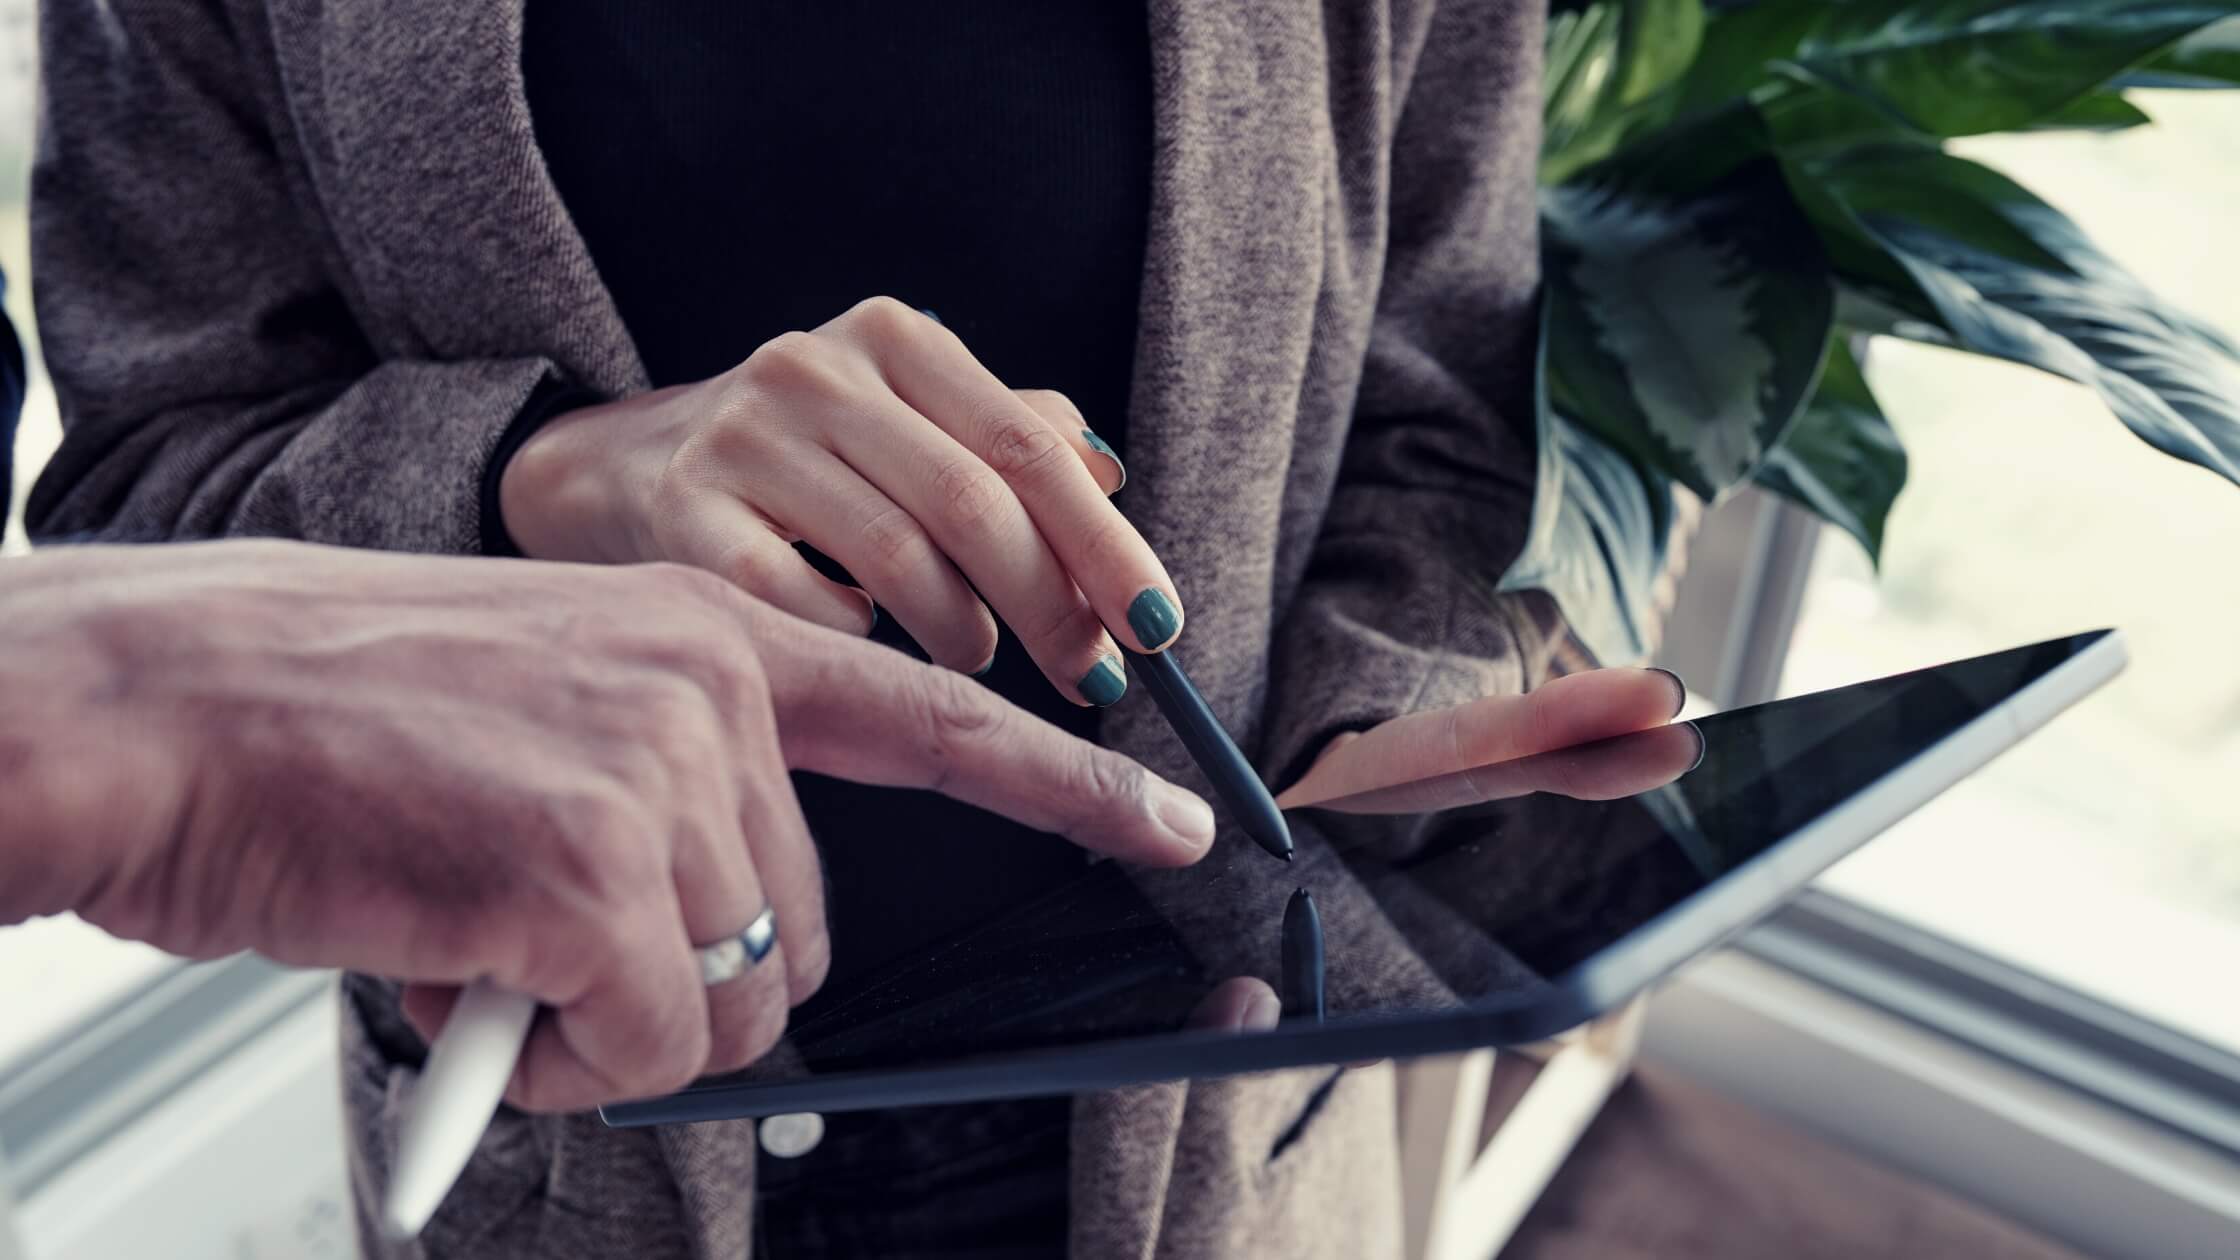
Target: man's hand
560,778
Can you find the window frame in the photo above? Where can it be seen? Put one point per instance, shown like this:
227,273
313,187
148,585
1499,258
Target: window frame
1729,636
92,1079
2156,1073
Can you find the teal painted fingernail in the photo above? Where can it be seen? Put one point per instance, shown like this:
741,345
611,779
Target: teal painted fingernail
1105,682
1104,448
1153,618
986,669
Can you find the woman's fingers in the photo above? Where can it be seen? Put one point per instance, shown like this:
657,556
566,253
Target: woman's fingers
1575,709
1604,770
930,369
976,520
712,529
1564,712
882,546
1066,421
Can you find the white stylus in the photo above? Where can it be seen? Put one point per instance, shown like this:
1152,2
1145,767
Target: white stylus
459,1090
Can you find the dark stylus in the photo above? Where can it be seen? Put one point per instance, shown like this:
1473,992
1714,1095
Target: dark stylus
1302,959
1216,754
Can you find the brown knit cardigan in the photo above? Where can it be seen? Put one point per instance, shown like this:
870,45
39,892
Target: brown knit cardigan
298,263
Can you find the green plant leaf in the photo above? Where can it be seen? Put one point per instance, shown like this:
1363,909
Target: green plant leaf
1597,539
1842,461
2062,306
1582,54
1964,67
1689,302
1982,208
1959,67
2208,58
2101,111
1606,61
1806,119
1955,197
1658,40
1740,45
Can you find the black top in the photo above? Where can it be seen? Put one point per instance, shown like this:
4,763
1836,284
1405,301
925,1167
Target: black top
739,170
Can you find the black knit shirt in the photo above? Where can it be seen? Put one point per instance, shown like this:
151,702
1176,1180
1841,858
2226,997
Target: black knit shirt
740,169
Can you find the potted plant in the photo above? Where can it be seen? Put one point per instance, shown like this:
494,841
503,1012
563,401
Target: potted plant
1734,196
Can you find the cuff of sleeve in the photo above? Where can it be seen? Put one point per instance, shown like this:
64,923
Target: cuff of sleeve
550,398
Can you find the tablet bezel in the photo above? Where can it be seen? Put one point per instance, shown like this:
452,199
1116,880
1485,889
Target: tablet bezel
1702,922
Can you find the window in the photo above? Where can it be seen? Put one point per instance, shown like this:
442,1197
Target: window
2104,853
54,973
36,439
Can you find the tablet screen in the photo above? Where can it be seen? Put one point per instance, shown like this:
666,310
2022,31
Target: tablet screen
1472,889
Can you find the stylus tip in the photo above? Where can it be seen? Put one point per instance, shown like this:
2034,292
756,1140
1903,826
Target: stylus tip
1273,834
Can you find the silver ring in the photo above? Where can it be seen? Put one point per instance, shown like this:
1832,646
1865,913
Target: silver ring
732,958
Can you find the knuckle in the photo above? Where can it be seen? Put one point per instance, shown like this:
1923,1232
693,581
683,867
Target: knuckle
654,762
608,854
1070,621
1019,449
891,538
1055,405
752,568
736,681
977,646
710,644
1109,778
887,319
677,726
674,489
669,706
793,362
750,1024
953,714
970,496
689,582
1110,545
679,1042
810,965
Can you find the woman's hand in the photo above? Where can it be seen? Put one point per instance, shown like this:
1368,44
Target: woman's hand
1566,712
879,440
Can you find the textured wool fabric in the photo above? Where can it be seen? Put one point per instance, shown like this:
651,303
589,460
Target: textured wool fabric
300,264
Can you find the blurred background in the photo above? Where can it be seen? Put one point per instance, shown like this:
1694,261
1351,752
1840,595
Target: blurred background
2106,852
2101,859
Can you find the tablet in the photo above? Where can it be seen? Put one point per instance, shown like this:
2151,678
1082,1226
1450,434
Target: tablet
1495,907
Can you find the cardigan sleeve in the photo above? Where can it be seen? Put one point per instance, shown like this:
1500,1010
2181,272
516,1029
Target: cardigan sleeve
1397,611
211,376
12,380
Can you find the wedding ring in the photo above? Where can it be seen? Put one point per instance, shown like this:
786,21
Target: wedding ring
734,957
